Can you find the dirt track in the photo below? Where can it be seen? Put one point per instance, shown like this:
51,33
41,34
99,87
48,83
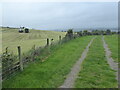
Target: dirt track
110,60
69,82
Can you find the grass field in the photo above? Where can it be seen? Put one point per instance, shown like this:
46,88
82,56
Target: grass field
112,41
53,71
11,38
95,72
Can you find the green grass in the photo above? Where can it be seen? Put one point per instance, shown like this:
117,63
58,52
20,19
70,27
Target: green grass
11,38
112,41
95,72
53,71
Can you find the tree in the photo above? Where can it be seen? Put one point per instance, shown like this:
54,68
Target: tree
70,33
79,33
108,31
85,32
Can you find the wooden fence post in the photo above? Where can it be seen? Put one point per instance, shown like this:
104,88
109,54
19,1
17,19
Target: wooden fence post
47,41
33,53
6,50
59,38
20,59
33,47
48,47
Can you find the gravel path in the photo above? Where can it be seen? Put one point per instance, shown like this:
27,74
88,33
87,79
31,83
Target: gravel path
69,82
110,60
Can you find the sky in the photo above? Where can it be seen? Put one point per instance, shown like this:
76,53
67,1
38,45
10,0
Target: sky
60,15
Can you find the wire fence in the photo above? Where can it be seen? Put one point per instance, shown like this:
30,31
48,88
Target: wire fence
12,63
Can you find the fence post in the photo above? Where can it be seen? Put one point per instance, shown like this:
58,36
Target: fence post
6,50
34,47
59,38
33,53
20,59
47,41
48,47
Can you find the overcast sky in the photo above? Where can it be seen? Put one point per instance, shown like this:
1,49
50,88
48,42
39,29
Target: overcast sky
49,15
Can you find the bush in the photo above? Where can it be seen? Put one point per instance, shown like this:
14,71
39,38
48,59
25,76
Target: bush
69,33
7,59
79,33
108,31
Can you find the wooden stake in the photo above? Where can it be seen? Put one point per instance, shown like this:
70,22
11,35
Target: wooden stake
47,41
19,55
59,38
6,50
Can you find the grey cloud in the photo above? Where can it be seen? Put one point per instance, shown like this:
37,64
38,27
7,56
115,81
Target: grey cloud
60,15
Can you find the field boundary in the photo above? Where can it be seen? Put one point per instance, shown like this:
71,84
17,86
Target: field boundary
10,66
69,82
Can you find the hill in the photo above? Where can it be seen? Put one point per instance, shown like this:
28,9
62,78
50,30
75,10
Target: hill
11,38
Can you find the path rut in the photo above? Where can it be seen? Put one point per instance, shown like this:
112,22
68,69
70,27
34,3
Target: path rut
71,77
110,60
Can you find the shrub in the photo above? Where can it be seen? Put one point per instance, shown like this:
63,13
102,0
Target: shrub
69,33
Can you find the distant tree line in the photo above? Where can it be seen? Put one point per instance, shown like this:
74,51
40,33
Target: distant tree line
70,34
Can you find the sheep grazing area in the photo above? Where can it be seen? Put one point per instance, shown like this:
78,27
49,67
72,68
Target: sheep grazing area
11,38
